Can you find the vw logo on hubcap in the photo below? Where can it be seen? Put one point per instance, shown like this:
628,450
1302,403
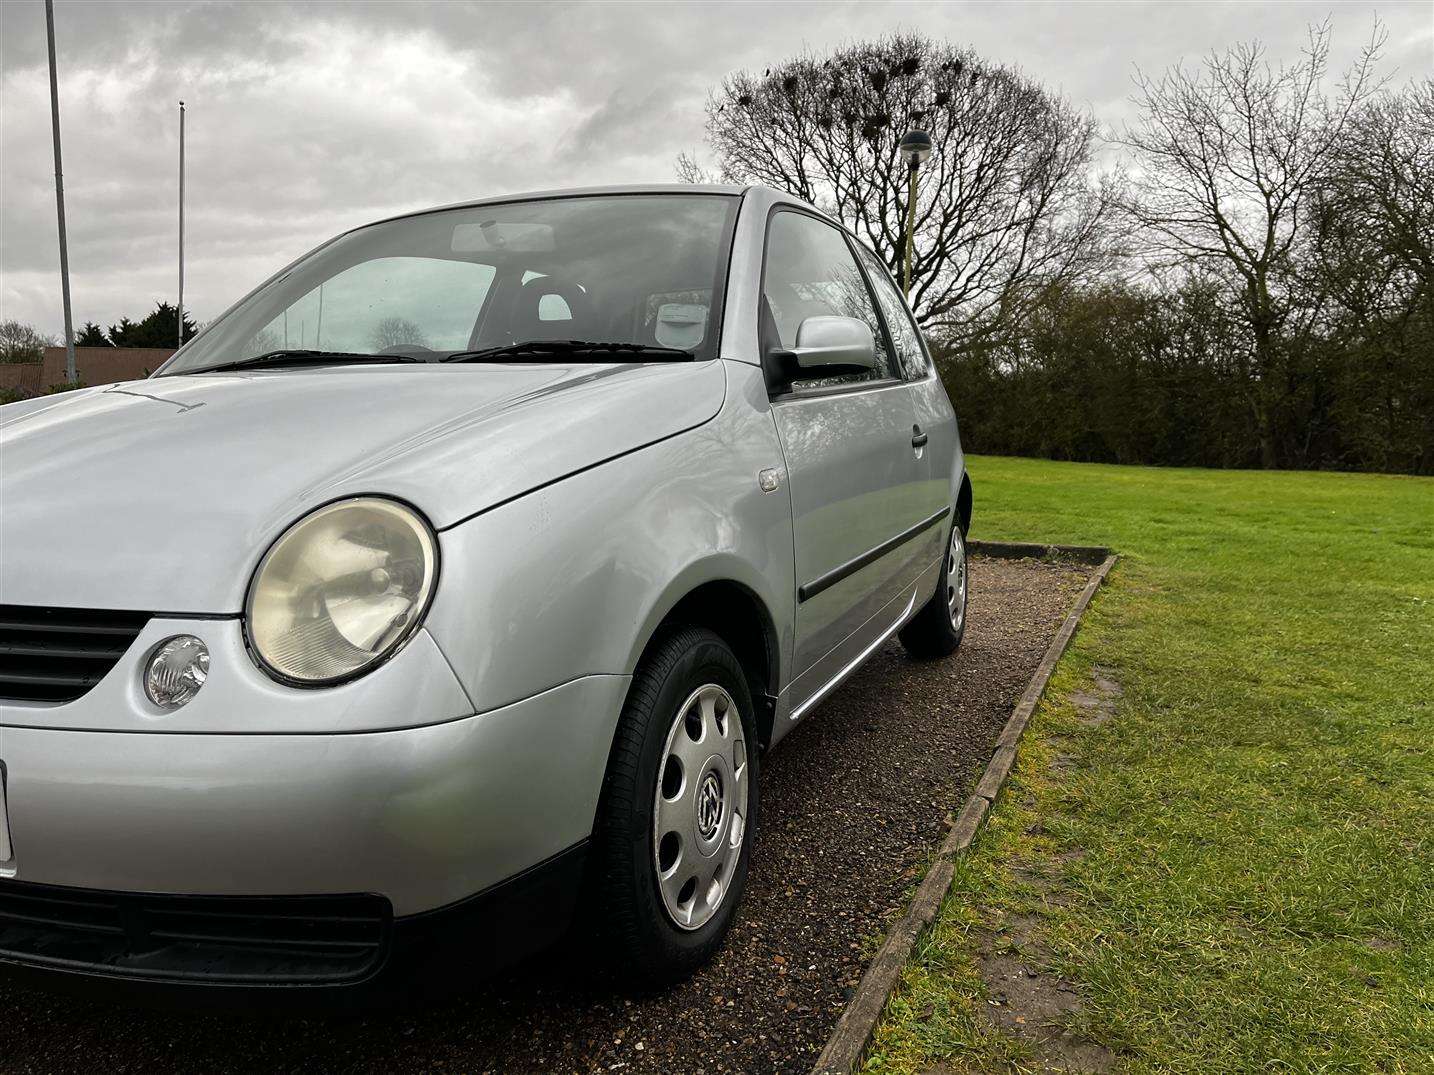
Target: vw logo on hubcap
709,806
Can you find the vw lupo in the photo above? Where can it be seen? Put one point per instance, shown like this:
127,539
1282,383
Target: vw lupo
451,586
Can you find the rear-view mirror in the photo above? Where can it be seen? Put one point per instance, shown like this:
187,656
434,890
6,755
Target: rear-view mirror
502,236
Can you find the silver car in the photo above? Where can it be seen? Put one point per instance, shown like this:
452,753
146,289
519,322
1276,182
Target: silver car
449,588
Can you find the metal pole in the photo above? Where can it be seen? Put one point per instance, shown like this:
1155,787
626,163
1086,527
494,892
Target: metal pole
910,226
70,376
180,331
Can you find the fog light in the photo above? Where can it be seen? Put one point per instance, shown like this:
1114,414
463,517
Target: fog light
177,669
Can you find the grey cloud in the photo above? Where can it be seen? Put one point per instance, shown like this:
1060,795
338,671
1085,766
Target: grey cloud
306,119
634,121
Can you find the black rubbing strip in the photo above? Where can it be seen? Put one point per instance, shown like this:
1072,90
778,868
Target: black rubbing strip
809,590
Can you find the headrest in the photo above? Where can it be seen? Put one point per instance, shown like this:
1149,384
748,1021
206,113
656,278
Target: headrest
551,308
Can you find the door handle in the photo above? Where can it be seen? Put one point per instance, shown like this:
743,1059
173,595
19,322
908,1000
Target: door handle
918,438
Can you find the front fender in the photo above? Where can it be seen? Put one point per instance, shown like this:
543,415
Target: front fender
723,567
573,579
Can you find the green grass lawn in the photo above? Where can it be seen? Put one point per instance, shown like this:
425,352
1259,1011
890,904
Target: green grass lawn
1236,872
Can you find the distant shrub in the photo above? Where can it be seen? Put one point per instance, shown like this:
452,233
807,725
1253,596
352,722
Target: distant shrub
64,386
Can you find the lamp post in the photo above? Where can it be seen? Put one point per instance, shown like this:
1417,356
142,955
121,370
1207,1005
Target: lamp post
915,147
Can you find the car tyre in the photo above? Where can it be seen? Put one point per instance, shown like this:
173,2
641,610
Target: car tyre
678,811
937,629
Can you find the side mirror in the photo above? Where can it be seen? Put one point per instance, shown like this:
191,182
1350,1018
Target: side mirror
829,345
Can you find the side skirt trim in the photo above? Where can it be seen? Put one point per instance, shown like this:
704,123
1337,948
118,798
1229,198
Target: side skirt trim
856,662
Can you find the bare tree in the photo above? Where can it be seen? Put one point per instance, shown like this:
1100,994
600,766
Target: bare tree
1226,163
690,170
1372,253
1376,207
1006,207
20,342
395,331
262,342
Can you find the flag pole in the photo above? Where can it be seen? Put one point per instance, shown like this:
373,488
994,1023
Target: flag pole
180,331
70,376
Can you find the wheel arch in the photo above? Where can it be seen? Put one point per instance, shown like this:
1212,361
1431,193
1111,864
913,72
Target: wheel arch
964,503
736,613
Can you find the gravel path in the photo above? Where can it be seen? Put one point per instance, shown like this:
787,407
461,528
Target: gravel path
852,801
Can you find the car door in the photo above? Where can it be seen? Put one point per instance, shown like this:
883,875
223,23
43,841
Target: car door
853,472
934,414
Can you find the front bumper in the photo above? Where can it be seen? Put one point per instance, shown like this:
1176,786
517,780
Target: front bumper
422,818
257,951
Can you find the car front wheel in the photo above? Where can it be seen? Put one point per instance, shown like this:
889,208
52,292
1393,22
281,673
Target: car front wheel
678,812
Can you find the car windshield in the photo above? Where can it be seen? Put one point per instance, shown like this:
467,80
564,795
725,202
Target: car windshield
632,269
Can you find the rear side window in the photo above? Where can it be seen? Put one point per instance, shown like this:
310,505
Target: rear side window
904,334
811,273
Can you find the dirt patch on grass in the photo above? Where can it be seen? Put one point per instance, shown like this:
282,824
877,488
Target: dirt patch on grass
1035,1007
1097,704
1027,1000
1385,945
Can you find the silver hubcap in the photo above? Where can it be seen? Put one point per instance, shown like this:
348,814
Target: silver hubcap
700,816
956,579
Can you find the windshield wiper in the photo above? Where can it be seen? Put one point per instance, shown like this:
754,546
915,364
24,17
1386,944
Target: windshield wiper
563,350
302,357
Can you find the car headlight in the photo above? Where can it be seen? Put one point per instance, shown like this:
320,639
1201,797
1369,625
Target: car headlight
340,590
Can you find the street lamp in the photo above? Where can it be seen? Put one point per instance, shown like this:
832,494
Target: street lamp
915,147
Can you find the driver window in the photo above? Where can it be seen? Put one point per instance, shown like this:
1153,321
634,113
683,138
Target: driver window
386,303
811,273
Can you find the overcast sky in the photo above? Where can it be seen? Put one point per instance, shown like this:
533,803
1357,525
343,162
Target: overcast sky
308,119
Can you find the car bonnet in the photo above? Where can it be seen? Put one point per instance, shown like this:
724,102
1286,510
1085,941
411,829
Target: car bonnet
163,494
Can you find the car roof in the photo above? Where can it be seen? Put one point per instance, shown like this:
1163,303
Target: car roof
728,189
